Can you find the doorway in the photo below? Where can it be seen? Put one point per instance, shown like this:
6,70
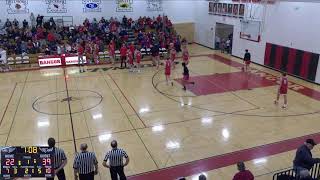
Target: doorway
224,37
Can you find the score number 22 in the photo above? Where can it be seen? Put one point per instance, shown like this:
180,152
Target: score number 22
9,162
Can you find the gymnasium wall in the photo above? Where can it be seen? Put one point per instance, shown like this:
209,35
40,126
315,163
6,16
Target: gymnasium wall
289,24
174,9
186,30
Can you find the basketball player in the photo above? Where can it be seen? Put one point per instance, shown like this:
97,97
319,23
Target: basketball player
132,48
96,53
155,55
282,90
167,71
80,56
247,61
185,79
137,55
112,53
130,59
88,49
173,53
123,55
185,55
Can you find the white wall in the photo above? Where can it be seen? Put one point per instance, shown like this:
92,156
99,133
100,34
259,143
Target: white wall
291,24
175,9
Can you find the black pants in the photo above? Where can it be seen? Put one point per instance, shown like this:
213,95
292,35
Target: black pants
60,175
117,170
89,176
123,60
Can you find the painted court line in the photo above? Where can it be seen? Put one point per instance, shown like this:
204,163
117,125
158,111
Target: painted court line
220,161
6,108
292,86
127,100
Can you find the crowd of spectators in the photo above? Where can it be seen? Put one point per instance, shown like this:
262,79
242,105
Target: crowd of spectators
40,36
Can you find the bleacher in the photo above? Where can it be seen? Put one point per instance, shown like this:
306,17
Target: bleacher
31,60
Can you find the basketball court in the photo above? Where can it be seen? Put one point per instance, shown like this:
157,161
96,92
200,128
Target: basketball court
167,132
227,116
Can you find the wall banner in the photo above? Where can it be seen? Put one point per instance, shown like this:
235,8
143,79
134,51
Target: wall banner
91,6
154,5
17,6
56,6
124,5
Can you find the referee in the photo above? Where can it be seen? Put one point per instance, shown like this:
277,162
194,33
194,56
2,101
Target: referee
85,164
115,157
60,160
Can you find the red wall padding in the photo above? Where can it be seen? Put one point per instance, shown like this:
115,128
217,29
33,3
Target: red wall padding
293,61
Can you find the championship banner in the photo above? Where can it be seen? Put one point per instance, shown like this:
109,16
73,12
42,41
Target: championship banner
17,6
91,5
154,5
56,6
124,5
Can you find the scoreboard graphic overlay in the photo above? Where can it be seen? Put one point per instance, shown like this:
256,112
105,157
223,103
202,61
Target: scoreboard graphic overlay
29,161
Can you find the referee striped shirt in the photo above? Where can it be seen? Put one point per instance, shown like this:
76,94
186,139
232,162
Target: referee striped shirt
115,157
59,156
85,162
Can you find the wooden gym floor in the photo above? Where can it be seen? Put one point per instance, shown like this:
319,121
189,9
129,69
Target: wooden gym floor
166,132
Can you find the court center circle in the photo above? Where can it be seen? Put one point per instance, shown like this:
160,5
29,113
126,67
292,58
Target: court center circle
57,103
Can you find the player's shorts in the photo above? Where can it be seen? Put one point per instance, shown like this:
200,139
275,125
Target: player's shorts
283,90
185,77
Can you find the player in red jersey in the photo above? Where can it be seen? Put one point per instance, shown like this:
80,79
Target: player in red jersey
167,70
123,55
96,53
132,48
112,51
283,90
185,55
88,50
138,56
130,59
173,53
80,51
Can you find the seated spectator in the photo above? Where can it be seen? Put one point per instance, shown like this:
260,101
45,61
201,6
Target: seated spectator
15,23
25,23
39,20
59,49
102,20
124,21
243,174
8,23
46,35
30,47
47,50
303,160
52,24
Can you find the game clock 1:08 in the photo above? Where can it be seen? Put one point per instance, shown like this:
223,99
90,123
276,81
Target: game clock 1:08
27,162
